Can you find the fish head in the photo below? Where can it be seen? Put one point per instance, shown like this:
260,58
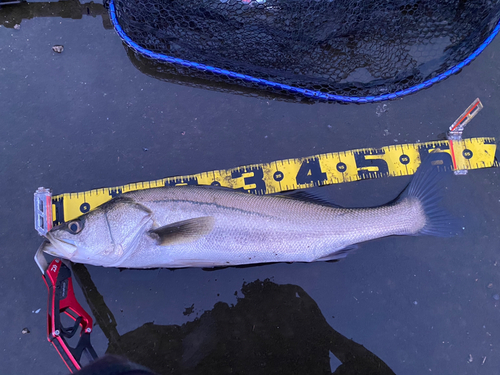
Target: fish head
80,240
101,237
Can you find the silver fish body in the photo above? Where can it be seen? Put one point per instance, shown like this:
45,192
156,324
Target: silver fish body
195,226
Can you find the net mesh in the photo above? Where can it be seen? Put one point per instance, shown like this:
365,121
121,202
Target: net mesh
352,48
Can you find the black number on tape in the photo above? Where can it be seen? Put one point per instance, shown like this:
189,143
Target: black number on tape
257,179
310,172
369,166
115,192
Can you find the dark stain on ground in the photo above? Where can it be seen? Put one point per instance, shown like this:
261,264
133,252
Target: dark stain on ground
189,310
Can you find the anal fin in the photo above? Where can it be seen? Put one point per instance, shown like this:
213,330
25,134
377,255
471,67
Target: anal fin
339,254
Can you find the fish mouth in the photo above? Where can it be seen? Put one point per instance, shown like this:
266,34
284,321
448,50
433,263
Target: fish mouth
65,248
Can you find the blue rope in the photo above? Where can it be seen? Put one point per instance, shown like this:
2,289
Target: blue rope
296,90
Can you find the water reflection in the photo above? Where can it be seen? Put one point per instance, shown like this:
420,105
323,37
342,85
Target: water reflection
14,13
272,329
208,81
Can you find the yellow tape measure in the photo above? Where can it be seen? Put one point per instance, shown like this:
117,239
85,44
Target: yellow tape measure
301,173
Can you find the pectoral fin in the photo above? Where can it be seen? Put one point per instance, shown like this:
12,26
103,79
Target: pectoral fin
183,231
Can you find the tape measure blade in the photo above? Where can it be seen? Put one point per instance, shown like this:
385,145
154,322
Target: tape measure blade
299,173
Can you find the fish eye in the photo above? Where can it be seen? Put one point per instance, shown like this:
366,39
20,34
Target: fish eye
75,226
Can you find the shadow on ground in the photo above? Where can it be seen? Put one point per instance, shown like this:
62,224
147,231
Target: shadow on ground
273,329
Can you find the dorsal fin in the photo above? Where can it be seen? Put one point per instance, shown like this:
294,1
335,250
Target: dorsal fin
310,197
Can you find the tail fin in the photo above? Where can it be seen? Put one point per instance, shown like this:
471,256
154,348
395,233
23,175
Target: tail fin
426,186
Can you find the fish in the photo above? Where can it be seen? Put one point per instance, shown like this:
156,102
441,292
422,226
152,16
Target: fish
203,226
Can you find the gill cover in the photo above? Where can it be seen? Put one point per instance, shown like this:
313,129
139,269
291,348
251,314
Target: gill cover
104,236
